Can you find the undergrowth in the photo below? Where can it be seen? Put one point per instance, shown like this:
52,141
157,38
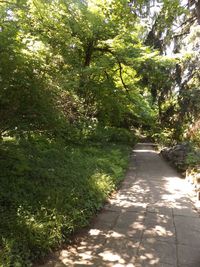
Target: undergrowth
49,190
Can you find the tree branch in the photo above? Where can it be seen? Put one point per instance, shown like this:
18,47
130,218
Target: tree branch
107,50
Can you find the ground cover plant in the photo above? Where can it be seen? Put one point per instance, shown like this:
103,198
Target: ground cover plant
49,190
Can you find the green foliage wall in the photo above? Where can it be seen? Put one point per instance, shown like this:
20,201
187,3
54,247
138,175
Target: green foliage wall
89,51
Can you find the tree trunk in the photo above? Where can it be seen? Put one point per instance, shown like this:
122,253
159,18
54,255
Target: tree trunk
197,7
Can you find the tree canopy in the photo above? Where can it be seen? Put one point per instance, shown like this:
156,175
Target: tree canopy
86,61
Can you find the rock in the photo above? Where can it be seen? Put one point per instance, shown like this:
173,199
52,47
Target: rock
177,155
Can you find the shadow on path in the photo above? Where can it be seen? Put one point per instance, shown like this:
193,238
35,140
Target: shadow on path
150,222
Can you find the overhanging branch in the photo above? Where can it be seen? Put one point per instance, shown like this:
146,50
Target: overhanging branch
108,50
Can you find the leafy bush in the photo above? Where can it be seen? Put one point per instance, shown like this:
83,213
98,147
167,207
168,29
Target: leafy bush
193,158
50,189
112,134
165,137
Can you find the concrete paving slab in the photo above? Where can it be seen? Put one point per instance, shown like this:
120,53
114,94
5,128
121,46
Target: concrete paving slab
152,252
160,264
188,230
159,227
187,209
130,224
106,220
119,250
188,256
159,209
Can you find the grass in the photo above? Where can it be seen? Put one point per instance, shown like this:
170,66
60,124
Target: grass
49,190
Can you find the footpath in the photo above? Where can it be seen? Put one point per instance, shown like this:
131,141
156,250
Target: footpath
150,222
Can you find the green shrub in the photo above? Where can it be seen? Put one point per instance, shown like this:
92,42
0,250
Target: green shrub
114,135
50,189
193,158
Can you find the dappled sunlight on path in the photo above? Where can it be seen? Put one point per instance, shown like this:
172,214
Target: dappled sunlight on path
150,222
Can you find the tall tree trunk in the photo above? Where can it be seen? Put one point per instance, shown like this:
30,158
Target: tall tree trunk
197,7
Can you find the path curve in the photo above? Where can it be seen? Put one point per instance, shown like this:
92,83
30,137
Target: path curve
150,222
